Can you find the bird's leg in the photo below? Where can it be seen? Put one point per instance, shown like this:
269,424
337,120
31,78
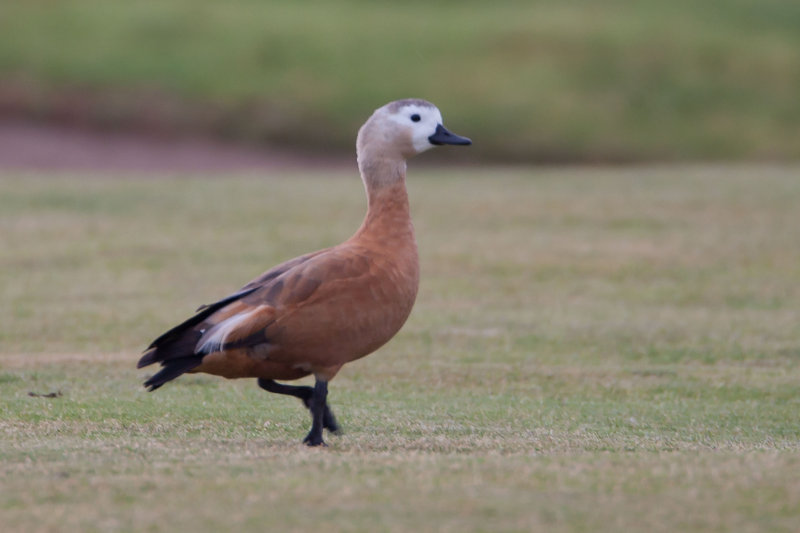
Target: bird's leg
305,393
318,401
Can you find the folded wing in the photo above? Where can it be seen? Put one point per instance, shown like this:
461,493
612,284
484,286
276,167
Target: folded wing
237,320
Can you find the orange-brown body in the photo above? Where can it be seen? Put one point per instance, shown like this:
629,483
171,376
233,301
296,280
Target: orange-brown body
341,304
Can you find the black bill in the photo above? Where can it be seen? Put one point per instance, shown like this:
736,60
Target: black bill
442,136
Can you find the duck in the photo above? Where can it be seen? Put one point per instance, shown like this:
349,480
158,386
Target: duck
315,313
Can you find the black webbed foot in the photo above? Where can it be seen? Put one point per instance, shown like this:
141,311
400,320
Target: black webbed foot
305,394
314,440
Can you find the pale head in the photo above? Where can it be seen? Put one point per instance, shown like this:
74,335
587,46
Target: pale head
402,129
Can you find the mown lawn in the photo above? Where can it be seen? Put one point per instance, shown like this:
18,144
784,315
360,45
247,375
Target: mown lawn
592,350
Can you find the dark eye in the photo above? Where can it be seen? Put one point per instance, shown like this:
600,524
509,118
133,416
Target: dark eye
414,118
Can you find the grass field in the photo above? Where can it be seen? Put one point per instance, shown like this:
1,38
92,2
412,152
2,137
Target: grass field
572,80
592,350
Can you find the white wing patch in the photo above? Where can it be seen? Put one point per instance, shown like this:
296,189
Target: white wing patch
214,339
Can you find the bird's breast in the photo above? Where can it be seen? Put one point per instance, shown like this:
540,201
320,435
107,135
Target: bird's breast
352,317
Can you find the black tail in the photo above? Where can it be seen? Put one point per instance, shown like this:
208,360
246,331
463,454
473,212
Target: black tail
175,349
176,357
171,370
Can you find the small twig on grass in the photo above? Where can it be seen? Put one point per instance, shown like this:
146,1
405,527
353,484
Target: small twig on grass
56,394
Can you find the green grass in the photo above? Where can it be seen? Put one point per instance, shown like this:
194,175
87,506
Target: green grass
572,80
592,350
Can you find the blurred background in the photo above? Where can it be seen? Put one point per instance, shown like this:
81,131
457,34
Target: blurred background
568,81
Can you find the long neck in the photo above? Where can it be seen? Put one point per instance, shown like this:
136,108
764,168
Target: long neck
388,214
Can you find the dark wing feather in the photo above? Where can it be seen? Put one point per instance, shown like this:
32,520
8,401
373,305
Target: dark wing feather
175,349
204,312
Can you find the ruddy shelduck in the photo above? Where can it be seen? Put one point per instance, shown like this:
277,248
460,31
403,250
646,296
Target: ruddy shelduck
314,313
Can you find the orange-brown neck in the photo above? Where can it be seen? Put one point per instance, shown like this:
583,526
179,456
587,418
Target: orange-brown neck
388,214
